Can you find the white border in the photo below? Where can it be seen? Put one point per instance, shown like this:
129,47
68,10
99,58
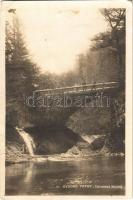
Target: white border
2,100
100,4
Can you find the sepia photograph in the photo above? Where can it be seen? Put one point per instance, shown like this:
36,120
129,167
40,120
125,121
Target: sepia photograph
65,75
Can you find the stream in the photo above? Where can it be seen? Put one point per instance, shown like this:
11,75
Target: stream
94,176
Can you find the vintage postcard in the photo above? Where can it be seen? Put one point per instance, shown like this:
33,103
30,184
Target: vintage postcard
66,100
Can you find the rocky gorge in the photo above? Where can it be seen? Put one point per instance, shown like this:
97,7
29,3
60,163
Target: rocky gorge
87,132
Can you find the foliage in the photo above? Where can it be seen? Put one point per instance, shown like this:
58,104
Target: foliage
21,72
114,39
105,60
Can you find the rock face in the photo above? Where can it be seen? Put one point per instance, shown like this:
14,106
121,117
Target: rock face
53,140
115,140
80,149
85,148
50,141
98,143
79,138
102,121
90,121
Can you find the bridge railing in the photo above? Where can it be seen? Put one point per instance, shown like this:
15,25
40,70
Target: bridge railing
80,88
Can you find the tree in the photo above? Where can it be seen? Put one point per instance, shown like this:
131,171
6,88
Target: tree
21,72
116,42
116,21
115,18
110,45
46,81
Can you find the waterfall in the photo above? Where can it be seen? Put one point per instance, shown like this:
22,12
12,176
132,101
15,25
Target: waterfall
88,138
28,140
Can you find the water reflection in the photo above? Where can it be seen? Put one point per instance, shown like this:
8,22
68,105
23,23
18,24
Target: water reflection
68,177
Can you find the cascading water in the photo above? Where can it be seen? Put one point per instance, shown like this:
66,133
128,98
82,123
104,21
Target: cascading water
90,138
28,140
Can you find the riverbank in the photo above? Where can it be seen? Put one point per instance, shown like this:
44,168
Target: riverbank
73,154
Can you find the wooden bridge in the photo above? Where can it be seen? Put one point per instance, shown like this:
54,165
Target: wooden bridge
54,106
97,87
